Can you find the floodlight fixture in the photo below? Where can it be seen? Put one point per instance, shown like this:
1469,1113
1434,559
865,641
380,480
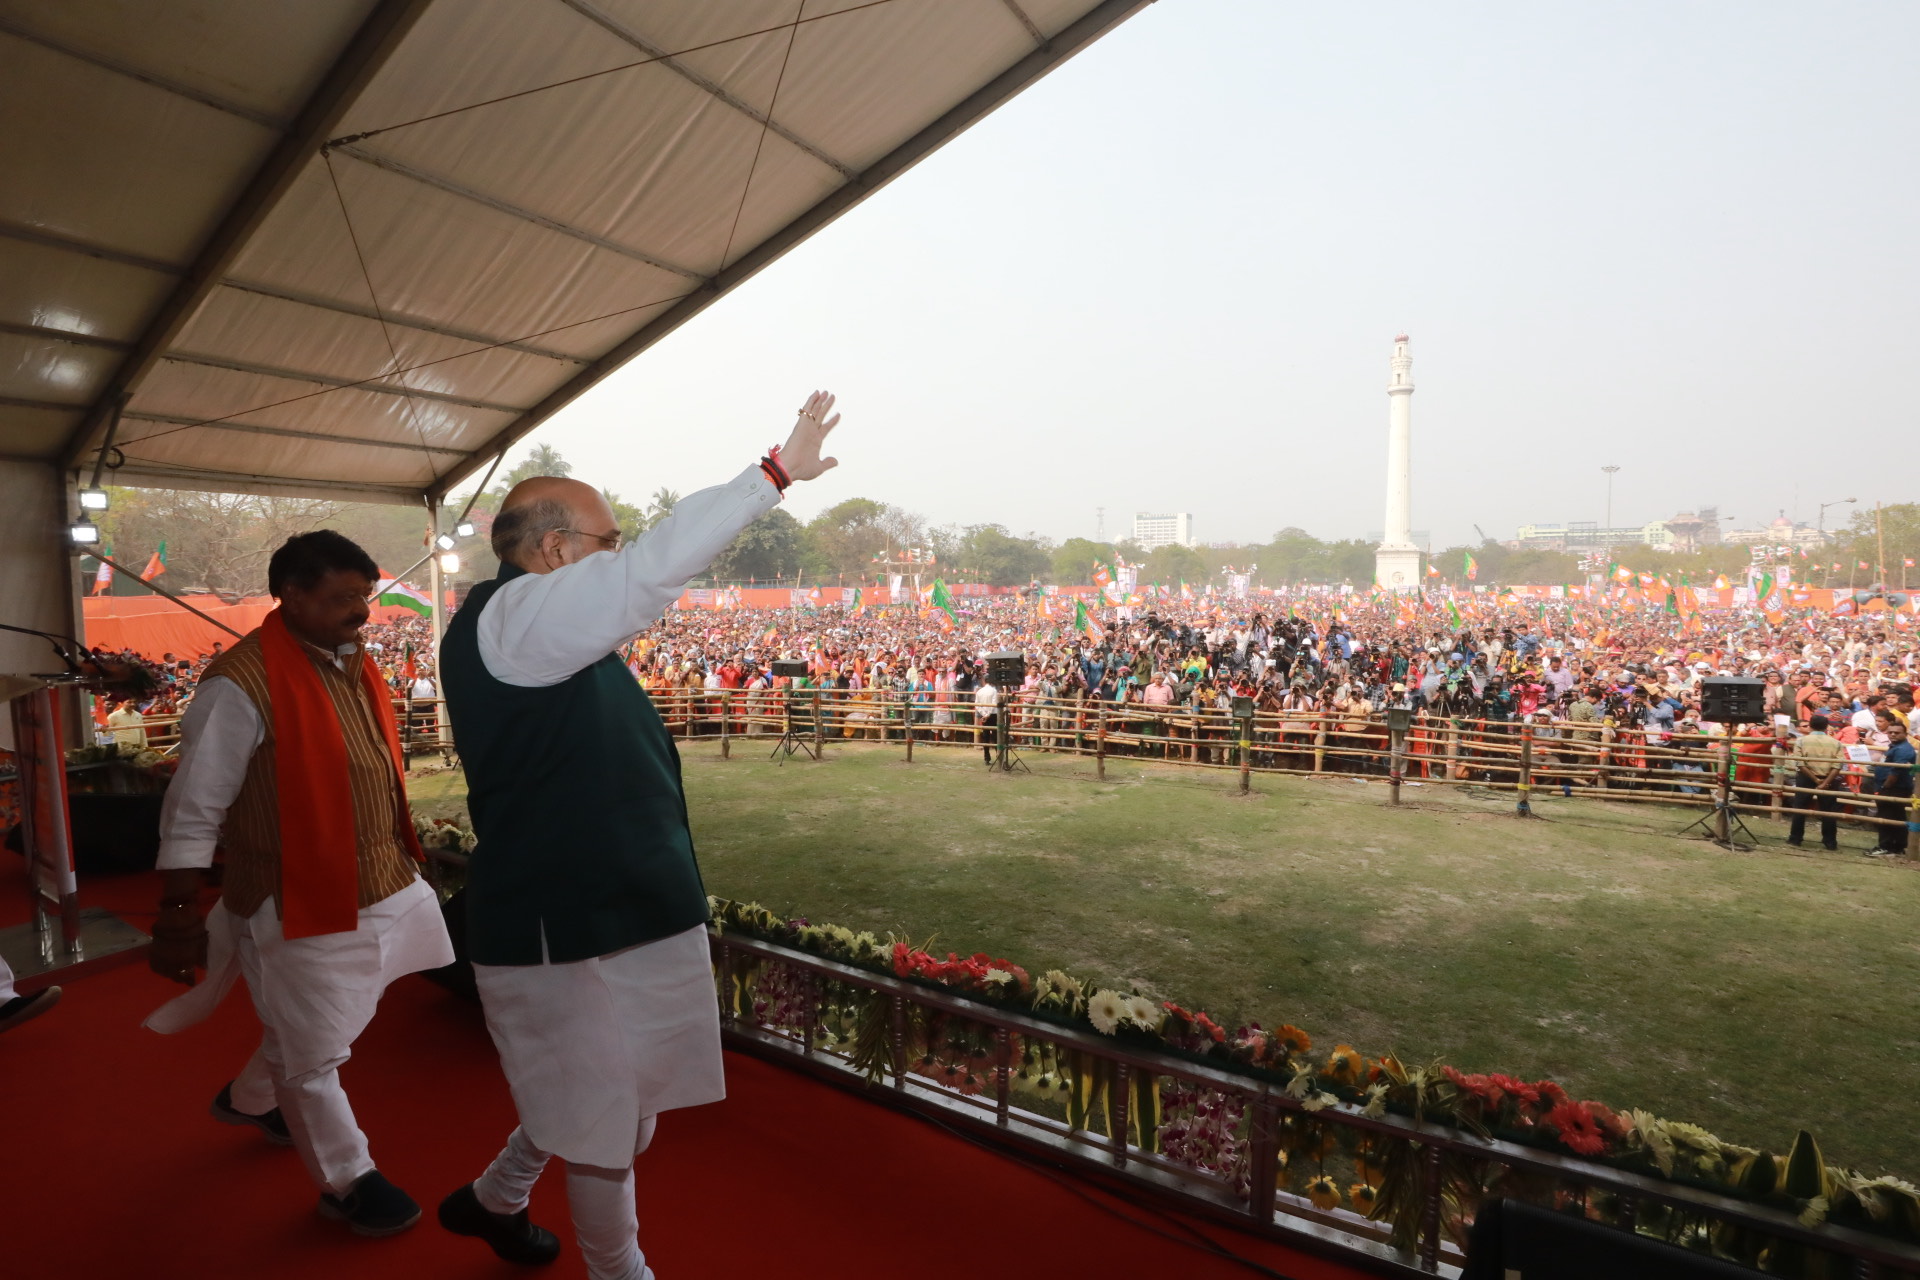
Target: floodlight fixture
92,499
83,533
464,528
449,562
445,542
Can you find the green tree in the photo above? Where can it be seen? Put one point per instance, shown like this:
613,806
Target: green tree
1173,564
661,505
1073,561
843,540
545,460
631,520
771,548
988,553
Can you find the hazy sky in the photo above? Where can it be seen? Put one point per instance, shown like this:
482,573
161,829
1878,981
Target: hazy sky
1675,237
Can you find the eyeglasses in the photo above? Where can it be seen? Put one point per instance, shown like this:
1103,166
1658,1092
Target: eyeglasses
611,541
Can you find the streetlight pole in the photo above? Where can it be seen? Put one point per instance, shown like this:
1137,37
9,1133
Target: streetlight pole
1606,538
1820,527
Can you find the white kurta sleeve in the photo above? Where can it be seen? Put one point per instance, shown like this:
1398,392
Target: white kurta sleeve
219,735
541,628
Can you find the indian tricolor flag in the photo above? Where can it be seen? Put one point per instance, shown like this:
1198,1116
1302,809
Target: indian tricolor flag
1083,621
942,600
392,591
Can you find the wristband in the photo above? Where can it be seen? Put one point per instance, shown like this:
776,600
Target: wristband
775,473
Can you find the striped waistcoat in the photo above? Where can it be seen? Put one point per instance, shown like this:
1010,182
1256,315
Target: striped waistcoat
251,836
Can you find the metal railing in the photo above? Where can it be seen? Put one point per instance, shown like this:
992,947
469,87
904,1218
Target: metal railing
864,1031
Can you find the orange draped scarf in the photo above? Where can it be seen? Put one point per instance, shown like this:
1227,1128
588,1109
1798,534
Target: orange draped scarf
319,846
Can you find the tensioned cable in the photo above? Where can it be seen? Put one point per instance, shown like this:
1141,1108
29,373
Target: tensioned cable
594,75
766,126
379,313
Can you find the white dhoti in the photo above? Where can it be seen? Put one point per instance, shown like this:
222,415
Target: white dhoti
592,1047
6,982
593,1050
314,997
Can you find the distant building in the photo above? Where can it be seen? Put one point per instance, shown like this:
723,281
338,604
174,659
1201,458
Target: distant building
1587,535
1782,532
1150,531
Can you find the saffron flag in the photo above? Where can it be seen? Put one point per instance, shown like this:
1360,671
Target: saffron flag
395,592
1186,592
103,577
1433,570
157,562
1083,621
859,602
1720,582
771,634
1621,573
1473,567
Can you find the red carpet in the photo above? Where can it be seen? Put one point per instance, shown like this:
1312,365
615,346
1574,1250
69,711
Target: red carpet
113,1167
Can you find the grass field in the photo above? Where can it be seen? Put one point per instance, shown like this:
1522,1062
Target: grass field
1755,993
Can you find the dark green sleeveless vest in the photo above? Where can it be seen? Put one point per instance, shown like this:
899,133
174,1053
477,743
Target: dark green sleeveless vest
576,799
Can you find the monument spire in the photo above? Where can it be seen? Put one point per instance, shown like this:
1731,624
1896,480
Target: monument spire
1396,563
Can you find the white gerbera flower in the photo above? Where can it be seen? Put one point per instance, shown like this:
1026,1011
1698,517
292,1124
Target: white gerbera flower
1105,1011
468,842
998,976
1144,1013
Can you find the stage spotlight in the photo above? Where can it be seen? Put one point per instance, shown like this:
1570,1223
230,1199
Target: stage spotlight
84,533
464,528
93,499
445,542
449,563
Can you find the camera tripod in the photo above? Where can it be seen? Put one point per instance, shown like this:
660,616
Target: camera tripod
1718,822
1005,758
791,741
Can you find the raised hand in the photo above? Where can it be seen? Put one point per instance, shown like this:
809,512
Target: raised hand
800,455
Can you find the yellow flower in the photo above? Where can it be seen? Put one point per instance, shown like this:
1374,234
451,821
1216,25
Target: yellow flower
1364,1198
1323,1193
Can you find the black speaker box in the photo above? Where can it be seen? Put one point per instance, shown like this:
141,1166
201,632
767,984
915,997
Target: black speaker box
1733,699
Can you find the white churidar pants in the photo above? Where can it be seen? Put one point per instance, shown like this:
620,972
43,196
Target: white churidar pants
314,997
593,1051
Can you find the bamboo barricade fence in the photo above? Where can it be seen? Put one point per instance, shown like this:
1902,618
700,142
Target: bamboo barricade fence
1575,759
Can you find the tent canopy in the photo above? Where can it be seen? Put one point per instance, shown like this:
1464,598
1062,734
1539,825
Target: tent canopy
360,247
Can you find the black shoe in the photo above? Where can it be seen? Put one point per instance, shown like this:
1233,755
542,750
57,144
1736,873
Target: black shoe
1830,848
372,1207
26,1008
271,1123
1793,844
510,1235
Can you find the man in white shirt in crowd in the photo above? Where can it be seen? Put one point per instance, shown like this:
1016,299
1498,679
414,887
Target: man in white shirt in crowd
986,714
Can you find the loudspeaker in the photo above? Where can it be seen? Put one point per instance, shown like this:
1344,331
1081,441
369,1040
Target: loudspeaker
1733,700
792,668
1007,669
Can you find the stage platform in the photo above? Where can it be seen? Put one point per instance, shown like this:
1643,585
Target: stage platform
114,1168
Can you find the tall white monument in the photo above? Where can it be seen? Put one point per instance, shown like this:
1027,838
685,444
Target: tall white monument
1396,562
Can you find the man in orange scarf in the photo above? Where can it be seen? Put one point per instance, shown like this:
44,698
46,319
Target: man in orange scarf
291,763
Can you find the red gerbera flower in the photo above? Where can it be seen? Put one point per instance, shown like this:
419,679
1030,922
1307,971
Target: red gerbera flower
1519,1090
1579,1131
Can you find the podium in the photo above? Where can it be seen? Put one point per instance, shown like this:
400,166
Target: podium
61,939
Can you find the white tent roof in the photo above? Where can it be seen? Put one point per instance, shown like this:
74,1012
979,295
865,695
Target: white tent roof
364,245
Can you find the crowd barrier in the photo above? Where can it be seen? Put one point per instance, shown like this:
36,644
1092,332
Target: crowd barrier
1750,773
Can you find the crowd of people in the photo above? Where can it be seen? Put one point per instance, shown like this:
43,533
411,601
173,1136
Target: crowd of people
1577,671
402,648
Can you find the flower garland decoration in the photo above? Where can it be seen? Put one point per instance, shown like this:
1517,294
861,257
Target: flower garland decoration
1202,1128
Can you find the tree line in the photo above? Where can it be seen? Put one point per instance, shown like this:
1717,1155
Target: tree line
221,542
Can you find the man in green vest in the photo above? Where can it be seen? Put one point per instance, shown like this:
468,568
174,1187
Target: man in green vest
586,918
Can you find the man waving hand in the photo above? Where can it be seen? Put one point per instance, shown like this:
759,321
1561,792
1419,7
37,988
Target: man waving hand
586,913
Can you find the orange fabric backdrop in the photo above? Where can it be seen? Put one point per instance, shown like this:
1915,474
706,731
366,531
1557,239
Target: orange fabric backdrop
153,625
